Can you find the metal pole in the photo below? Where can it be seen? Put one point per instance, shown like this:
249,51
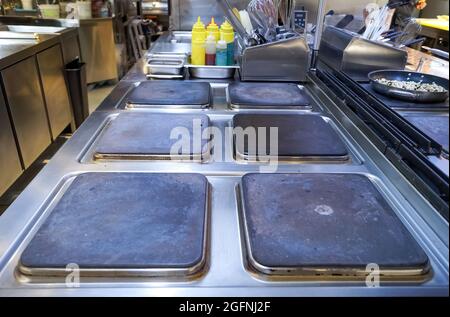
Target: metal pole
319,29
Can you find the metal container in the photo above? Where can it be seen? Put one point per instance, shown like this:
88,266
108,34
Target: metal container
212,72
159,66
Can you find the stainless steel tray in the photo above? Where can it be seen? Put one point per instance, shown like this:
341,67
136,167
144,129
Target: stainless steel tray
212,72
165,66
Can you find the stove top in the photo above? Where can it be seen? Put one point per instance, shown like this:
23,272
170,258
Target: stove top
106,225
405,105
146,136
299,137
170,94
297,224
435,126
268,95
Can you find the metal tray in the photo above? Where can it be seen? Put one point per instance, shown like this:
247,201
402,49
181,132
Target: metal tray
212,72
161,66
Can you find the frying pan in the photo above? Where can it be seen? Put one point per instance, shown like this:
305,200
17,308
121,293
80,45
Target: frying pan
409,95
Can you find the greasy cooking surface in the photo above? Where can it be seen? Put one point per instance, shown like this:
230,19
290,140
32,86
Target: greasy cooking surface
324,220
170,92
298,135
140,134
276,95
124,220
434,126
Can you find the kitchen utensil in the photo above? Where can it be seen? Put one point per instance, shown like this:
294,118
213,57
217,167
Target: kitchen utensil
408,95
265,11
237,25
158,66
410,32
413,41
436,52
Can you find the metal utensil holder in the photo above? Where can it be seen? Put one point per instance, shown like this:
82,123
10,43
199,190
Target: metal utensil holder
350,53
285,60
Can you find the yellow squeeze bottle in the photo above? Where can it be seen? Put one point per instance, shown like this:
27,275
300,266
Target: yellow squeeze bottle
214,29
198,48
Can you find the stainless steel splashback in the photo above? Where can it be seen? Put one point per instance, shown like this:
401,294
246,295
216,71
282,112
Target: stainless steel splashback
355,56
184,13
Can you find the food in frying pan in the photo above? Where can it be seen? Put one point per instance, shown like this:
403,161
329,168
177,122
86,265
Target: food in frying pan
411,85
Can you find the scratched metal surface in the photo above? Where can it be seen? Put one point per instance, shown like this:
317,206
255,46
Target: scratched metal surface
324,220
134,133
124,220
168,93
276,95
298,135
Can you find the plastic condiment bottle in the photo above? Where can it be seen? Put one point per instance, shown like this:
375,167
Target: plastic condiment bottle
214,29
198,49
227,34
221,53
210,50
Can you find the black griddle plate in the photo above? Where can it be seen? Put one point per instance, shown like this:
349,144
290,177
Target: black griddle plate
307,222
147,136
170,93
299,136
405,105
434,126
267,95
123,221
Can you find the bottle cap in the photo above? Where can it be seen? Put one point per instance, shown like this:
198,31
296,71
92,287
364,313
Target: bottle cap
213,26
198,26
226,27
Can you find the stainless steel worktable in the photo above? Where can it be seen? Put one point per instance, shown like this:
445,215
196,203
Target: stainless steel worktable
227,274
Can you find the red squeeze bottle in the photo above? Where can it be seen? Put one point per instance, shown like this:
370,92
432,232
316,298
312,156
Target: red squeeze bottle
210,50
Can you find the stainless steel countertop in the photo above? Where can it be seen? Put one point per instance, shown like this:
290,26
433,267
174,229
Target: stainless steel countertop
227,274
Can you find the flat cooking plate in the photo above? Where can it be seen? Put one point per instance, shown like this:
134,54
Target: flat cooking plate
170,94
301,224
300,137
124,224
267,95
434,126
146,136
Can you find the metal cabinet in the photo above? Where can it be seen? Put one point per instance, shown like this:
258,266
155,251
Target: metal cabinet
10,167
26,104
51,69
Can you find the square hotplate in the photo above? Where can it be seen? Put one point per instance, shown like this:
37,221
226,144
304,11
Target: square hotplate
146,136
169,94
267,96
300,137
124,224
324,224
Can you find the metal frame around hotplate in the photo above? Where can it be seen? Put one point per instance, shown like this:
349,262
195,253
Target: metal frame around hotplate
256,107
227,273
174,274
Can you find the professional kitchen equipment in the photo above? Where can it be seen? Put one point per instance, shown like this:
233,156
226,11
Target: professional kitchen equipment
212,72
282,61
301,137
418,157
147,136
165,66
267,95
137,238
324,225
433,125
355,56
409,95
168,94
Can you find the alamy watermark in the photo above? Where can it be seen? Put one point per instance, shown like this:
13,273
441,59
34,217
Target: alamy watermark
260,144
